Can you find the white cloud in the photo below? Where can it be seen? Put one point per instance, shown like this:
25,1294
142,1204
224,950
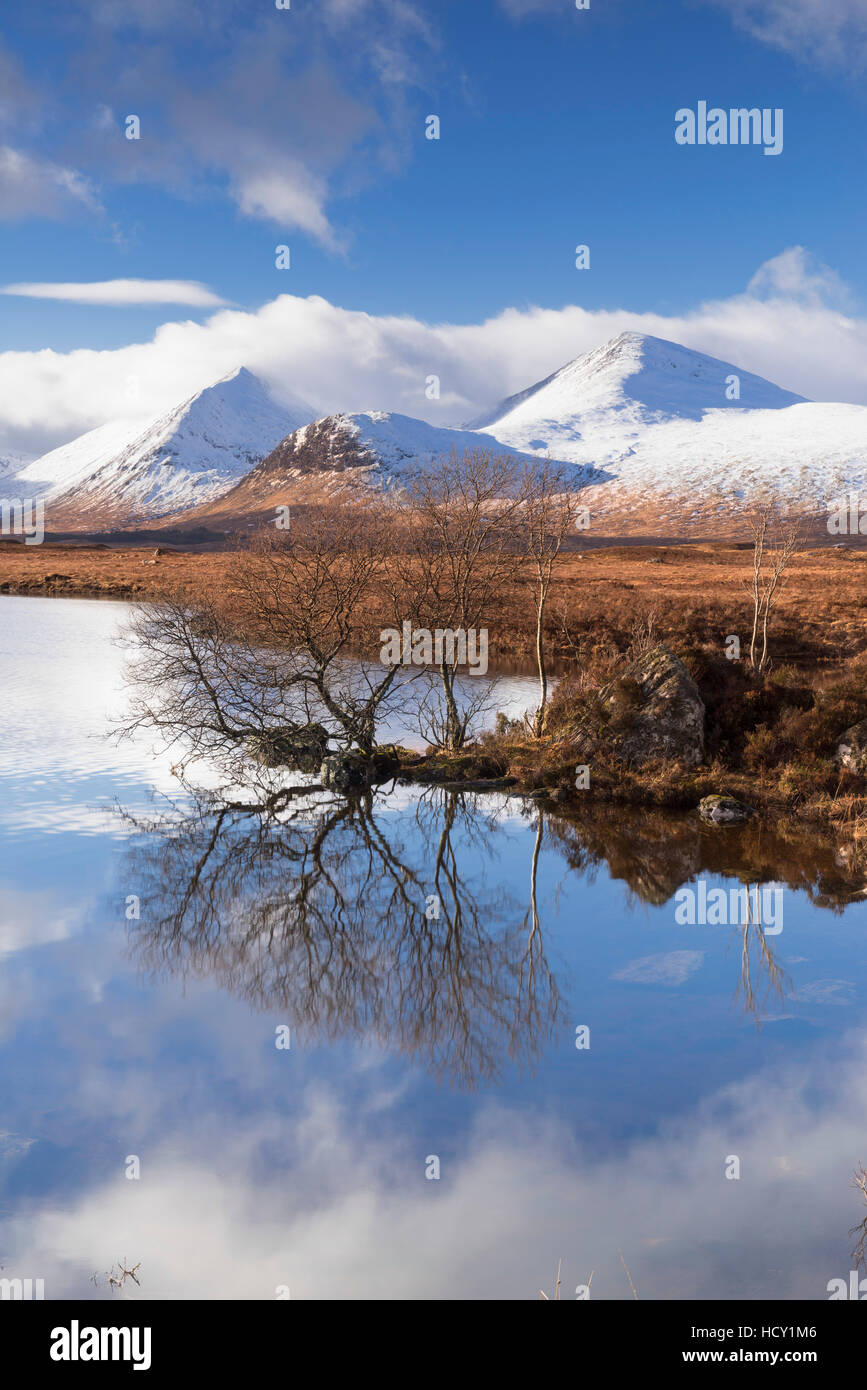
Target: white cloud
798,276
121,292
336,358
831,32
213,1220
31,187
289,196
276,124
670,969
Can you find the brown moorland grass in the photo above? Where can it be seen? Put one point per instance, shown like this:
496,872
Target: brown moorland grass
695,591
770,741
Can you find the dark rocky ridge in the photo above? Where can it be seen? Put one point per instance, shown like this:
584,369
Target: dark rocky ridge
328,445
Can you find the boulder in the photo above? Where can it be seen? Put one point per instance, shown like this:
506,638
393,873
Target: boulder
298,746
724,810
351,773
653,710
852,749
345,772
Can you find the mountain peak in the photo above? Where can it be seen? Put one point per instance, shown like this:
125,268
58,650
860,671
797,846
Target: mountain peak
630,336
192,453
244,390
635,379
240,374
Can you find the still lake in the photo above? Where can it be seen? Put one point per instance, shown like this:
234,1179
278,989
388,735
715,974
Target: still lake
431,1130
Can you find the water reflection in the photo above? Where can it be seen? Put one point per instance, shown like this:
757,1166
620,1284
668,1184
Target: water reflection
655,853
306,1168
353,919
352,922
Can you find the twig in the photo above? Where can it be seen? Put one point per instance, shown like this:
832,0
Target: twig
628,1275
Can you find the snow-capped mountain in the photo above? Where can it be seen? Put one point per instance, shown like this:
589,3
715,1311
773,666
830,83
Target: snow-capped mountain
665,440
690,441
624,387
120,474
370,448
376,439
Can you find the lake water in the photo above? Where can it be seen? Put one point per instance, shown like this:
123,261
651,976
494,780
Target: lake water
430,961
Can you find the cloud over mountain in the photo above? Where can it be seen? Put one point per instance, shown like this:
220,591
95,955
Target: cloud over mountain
346,360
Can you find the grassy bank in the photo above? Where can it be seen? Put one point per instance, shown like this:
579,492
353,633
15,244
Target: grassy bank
770,740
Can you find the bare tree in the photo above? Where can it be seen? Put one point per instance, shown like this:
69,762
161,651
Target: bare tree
548,514
461,556
265,664
774,544
435,720
319,591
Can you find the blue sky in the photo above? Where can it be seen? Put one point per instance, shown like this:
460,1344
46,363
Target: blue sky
306,127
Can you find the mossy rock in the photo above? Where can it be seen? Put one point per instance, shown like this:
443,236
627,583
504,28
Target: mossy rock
852,749
458,767
300,747
652,711
724,810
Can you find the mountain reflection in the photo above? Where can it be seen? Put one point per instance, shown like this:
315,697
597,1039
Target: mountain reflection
352,921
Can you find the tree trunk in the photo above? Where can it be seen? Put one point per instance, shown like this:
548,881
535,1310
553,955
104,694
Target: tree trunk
539,721
453,731
767,614
755,632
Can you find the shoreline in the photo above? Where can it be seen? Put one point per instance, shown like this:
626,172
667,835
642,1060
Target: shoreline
770,741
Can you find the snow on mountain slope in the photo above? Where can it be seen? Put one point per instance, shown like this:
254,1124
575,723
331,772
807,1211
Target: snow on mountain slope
11,464
689,473
379,439
370,448
193,453
656,416
605,398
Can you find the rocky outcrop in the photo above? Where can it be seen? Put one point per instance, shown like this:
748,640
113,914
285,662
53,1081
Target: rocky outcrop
350,773
326,445
300,747
343,772
852,749
653,710
724,810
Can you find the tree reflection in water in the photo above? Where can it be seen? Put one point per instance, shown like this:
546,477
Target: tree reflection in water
361,918
348,919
